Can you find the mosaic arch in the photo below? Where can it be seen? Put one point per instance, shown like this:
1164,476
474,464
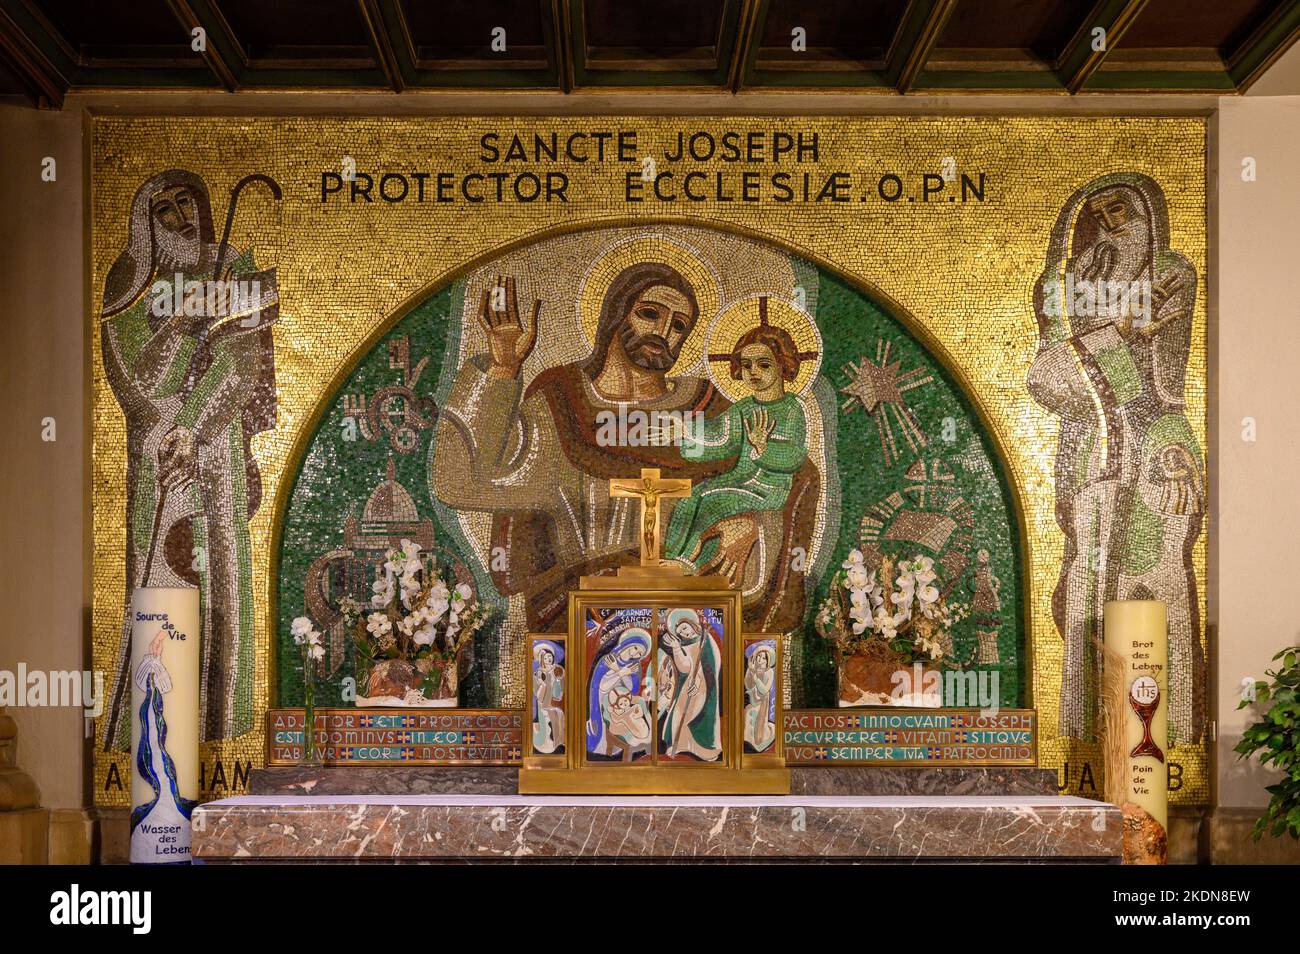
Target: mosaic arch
347,312
423,437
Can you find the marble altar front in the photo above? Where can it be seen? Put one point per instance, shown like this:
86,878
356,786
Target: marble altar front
486,827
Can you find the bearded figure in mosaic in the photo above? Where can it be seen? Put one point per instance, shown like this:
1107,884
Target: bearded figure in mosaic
1114,306
533,457
189,356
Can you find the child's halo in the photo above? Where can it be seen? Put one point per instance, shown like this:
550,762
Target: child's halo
740,317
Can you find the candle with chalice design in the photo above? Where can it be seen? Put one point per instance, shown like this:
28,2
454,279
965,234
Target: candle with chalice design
1144,698
1137,642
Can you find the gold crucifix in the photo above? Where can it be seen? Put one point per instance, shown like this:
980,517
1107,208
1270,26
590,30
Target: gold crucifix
650,487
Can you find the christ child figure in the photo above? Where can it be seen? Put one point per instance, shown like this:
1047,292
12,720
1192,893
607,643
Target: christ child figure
765,431
627,720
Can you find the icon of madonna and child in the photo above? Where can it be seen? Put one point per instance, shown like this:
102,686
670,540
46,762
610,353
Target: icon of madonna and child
655,697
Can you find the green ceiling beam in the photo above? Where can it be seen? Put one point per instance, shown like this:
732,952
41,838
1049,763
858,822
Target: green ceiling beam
222,63
1262,48
1162,81
745,45
918,32
373,17
562,30
986,81
1079,61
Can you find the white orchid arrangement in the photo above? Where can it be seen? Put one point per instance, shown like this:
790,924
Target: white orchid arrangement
417,612
906,611
310,647
308,640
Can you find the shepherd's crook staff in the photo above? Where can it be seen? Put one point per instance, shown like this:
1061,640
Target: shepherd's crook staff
230,213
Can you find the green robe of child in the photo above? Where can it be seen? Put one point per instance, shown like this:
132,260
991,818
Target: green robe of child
756,482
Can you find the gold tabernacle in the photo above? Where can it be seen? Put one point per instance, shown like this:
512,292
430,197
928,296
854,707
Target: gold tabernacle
662,694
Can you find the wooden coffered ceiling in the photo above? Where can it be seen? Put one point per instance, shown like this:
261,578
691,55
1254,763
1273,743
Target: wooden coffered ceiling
887,47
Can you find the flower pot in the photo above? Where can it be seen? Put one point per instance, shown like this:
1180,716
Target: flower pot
400,683
446,694
883,678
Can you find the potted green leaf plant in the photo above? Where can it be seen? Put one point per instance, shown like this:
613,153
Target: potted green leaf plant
1276,738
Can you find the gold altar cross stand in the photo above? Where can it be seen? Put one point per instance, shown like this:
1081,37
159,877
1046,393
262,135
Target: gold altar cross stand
650,488
652,570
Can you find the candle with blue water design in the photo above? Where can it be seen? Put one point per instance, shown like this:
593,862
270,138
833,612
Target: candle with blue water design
164,722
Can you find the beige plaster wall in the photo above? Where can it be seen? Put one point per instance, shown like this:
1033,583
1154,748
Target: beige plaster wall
1255,373
43,491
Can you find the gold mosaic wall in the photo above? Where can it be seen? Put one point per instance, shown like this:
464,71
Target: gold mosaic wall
963,271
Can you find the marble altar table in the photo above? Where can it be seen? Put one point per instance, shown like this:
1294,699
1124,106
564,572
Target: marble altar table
497,827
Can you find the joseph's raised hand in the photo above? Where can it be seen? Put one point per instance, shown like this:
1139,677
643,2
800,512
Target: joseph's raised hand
509,343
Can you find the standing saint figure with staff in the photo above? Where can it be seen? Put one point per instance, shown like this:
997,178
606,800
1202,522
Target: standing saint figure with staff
188,351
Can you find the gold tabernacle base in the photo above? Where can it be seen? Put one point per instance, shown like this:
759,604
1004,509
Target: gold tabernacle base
654,780
657,586
665,576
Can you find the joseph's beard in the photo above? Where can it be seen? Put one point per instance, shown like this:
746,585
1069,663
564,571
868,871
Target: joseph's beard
176,251
1128,258
647,351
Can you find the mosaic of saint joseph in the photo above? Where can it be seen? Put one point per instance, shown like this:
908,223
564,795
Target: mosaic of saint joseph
531,455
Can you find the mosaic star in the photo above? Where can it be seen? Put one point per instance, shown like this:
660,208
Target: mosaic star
870,385
878,388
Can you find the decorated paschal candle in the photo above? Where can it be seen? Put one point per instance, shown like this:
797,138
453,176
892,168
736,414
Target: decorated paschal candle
164,722
1137,639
